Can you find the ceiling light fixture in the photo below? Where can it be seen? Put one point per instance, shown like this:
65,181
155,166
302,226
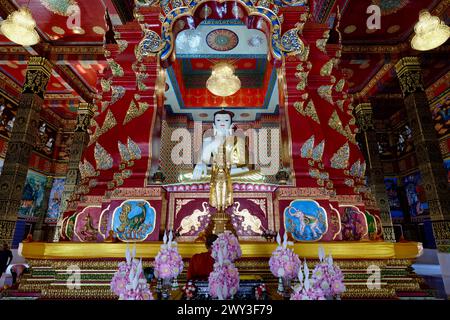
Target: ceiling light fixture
223,82
19,27
430,32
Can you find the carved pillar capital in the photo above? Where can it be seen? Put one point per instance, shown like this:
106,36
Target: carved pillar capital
409,74
38,73
85,114
363,112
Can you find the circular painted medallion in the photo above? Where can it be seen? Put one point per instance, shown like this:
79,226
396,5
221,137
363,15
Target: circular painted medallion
222,40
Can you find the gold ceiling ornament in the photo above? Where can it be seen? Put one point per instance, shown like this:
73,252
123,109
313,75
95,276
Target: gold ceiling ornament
341,157
19,27
430,32
223,82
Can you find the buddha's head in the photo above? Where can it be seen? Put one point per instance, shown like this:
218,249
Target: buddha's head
223,120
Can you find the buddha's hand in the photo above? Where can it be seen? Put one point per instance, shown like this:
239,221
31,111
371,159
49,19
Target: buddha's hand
199,171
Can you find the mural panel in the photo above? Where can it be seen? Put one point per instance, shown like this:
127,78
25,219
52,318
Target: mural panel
415,194
134,220
33,194
354,224
86,224
54,202
306,220
394,201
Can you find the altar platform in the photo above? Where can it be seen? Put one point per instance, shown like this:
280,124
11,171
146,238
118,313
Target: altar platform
353,250
52,266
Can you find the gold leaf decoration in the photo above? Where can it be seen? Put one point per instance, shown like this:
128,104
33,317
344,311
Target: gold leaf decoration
341,157
307,148
116,69
135,110
310,111
318,151
340,85
103,159
325,93
327,68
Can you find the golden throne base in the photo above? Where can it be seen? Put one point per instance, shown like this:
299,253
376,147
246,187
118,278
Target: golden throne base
98,262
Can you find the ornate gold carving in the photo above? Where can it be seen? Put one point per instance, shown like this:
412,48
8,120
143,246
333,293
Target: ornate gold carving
309,111
341,157
135,110
103,159
307,148
303,76
410,75
340,85
116,68
325,93
322,43
327,68
37,76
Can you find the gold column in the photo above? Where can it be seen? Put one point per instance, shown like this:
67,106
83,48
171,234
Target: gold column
375,167
21,144
80,141
427,149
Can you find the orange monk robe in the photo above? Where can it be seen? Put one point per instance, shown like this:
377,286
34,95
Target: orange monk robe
200,266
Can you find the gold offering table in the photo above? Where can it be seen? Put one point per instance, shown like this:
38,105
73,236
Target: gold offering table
51,265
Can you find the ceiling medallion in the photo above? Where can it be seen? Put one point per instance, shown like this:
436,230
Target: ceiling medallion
61,7
222,40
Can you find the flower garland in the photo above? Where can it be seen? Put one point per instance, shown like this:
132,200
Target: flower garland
304,290
168,262
223,281
228,240
327,276
129,282
326,281
284,263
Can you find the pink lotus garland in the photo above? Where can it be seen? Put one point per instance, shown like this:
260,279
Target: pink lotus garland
311,294
304,290
168,264
228,240
223,281
329,278
284,263
129,282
